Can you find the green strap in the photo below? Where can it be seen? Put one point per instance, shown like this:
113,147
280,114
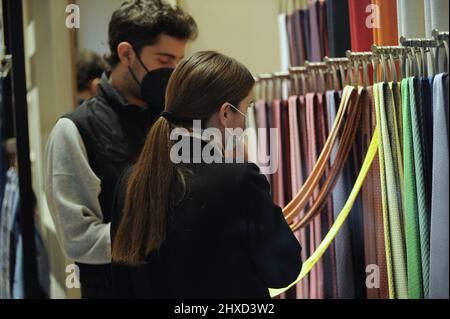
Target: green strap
384,205
415,287
424,223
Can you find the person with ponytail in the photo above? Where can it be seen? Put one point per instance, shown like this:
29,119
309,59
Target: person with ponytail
196,228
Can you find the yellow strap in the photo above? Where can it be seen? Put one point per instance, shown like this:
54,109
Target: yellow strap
311,261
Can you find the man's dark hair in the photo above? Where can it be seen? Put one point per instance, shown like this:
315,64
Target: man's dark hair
90,66
140,22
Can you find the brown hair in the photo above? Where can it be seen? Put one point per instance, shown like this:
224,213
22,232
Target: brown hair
198,87
90,66
140,22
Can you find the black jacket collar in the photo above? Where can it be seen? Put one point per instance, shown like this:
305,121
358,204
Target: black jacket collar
111,97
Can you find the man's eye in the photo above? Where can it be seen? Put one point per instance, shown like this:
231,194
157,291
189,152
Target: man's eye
163,61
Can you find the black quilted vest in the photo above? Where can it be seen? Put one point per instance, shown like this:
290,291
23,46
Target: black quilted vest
113,133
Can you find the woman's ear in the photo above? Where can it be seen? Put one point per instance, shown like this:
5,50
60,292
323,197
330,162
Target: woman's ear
223,114
125,53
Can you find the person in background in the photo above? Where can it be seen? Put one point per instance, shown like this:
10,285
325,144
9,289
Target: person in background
200,228
90,67
88,148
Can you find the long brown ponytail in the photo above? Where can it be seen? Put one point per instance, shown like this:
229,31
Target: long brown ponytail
197,88
147,195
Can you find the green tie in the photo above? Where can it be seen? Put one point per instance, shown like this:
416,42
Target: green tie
415,288
424,224
392,188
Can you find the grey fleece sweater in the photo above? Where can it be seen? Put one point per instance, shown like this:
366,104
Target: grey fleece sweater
72,191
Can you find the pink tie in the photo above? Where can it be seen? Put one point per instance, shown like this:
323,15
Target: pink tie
297,178
276,146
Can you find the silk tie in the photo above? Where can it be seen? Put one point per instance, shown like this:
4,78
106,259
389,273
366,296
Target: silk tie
301,111
316,54
343,244
297,176
286,154
422,205
395,200
287,163
277,146
316,225
329,259
374,192
370,238
439,248
391,107
391,206
415,286
338,27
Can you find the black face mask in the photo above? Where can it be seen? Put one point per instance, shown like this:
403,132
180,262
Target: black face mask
153,86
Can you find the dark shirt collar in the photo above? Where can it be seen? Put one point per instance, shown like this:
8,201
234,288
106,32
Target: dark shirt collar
115,100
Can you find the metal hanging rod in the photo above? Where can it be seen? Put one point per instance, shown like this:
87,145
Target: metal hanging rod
316,65
395,50
281,75
440,36
419,43
334,61
265,76
359,56
298,69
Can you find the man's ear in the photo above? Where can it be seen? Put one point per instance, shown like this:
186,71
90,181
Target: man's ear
94,85
125,53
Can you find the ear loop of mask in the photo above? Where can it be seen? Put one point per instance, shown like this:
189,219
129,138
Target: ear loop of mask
247,119
142,64
237,140
234,107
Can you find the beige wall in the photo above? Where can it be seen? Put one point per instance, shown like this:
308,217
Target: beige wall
94,21
95,16
50,95
244,29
